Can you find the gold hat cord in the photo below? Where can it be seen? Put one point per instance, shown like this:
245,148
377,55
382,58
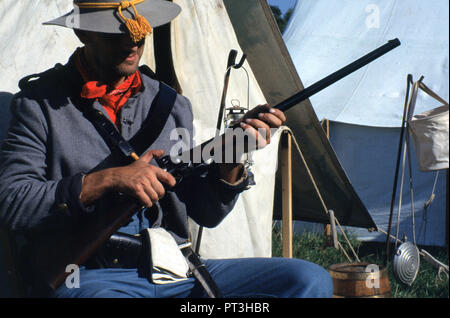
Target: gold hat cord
138,27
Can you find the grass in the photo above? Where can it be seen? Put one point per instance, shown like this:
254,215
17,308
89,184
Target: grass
313,247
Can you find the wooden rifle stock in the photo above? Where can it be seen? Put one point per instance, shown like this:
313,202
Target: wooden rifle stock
52,254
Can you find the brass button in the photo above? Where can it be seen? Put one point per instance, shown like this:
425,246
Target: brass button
115,261
63,206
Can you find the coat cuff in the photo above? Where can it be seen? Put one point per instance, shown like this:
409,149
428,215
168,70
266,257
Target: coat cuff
68,196
237,187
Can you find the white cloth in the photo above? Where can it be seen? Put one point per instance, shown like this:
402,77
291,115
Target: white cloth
168,263
429,131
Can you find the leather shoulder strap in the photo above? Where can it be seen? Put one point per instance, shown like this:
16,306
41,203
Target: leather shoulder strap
144,69
156,119
151,128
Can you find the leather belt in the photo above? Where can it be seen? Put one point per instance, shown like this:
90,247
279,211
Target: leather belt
123,250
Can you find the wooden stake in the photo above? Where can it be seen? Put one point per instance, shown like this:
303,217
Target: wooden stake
333,229
325,123
286,173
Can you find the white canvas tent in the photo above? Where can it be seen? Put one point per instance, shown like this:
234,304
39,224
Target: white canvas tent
201,39
366,108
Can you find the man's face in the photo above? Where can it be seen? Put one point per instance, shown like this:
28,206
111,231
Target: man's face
114,54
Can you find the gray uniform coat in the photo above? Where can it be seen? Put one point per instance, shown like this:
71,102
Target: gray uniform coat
51,144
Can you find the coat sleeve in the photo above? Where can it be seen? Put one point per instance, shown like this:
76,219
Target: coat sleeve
208,198
28,199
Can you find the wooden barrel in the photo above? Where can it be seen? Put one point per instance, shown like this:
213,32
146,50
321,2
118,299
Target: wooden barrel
359,280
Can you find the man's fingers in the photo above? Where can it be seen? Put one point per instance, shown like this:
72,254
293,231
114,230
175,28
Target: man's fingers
260,134
148,156
149,189
278,113
158,188
274,117
166,177
261,127
270,119
142,193
151,192
157,153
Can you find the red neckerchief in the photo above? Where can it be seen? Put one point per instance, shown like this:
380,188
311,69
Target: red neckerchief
111,98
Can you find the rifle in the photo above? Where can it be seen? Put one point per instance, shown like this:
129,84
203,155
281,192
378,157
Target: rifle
53,253
181,168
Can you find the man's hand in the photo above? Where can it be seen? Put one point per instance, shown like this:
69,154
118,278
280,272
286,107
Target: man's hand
257,123
140,180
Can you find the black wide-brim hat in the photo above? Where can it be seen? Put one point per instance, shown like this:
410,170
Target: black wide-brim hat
108,20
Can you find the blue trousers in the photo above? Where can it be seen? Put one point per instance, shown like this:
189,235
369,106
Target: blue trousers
243,277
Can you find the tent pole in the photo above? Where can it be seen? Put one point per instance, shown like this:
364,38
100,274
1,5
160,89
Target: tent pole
446,214
399,153
286,175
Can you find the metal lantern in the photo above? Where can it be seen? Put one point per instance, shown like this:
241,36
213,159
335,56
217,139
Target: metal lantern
233,115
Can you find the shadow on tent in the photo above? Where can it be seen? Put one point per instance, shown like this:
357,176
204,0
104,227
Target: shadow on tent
261,40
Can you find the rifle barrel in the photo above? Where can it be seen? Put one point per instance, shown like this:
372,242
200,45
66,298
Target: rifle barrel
336,76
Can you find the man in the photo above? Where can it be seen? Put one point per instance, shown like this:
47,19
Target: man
58,169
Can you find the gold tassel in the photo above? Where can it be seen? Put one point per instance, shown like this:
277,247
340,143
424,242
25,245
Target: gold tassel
138,28
144,24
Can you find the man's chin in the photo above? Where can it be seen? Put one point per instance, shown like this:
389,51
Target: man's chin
126,70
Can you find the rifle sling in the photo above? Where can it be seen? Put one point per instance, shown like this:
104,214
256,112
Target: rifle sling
151,128
199,271
149,132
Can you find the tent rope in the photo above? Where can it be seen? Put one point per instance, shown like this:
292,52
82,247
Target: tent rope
347,240
297,146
